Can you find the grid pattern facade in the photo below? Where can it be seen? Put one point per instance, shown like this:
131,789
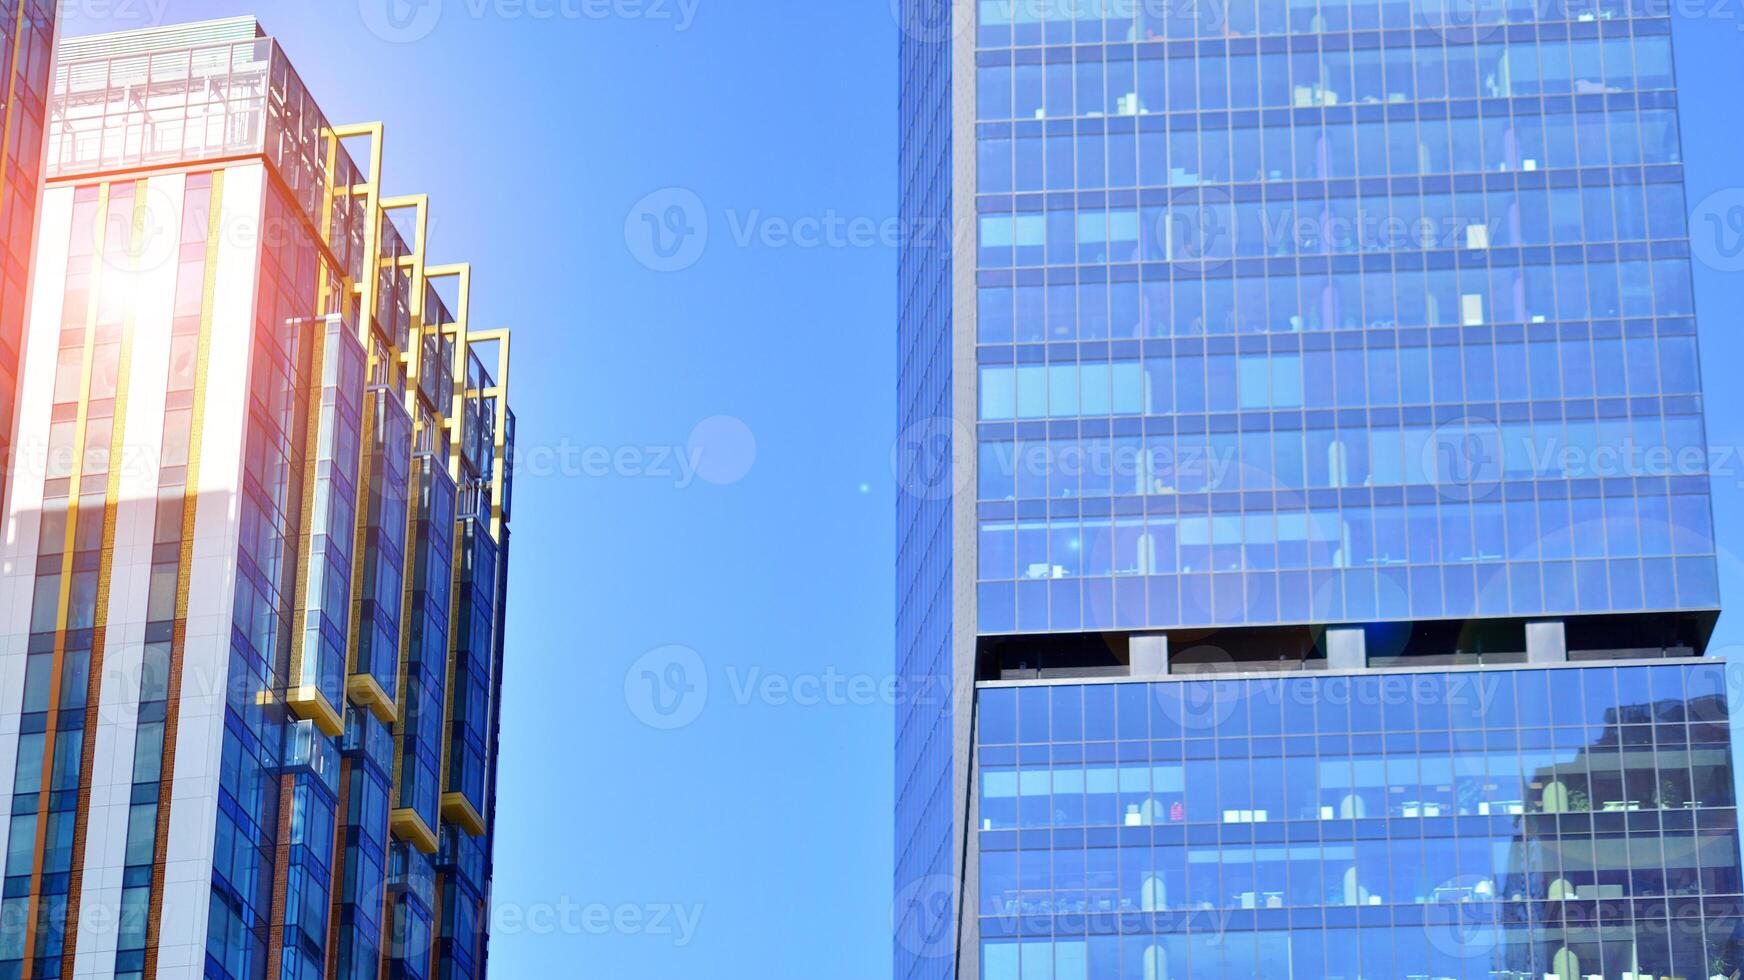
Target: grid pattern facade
925,567
27,30
1302,314
321,426
1295,313
925,836
1571,822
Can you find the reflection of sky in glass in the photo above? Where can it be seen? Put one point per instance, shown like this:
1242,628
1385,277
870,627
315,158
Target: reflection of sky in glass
1293,333
1236,807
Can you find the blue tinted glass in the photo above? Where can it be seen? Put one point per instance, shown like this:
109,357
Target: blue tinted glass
1528,303
1067,704
1178,198
1237,829
1032,714
997,716
1496,690
1134,711
1099,712
1600,685
1265,707
1532,702
1332,711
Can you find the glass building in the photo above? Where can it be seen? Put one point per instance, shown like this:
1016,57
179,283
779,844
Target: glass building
256,543
1491,823
1301,413
27,30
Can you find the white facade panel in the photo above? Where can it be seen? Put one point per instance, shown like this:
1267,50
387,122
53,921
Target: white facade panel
150,279
30,462
212,582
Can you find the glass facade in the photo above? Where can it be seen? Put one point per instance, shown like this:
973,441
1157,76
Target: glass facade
1313,312
268,602
1573,822
195,269
64,664
1342,355
925,631
377,652
260,780
196,97
419,794
27,29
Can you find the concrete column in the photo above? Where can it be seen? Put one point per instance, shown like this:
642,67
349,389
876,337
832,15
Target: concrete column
1347,649
1149,654
1546,643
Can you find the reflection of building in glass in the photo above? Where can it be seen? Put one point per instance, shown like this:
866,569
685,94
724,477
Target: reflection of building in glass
258,558
1350,341
1628,817
27,30
1570,822
1264,321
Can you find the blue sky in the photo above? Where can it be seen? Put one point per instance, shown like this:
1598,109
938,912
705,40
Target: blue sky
743,830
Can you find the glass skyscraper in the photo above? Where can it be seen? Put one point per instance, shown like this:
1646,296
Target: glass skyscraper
1304,497
253,574
27,30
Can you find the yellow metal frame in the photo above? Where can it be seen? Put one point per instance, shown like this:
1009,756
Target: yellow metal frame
364,690
307,701
75,480
405,369
106,559
410,370
456,808
405,824
499,449
185,565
